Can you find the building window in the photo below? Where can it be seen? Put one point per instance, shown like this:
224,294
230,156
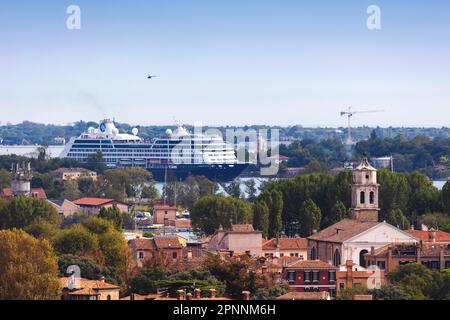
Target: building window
281,254
315,276
307,276
341,286
372,197
291,276
141,254
337,258
313,253
174,255
332,276
362,198
108,297
362,260
447,264
381,265
332,292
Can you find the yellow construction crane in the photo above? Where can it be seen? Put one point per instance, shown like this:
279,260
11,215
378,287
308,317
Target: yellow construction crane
349,115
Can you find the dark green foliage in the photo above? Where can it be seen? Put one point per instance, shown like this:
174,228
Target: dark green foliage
211,212
389,292
20,212
309,218
271,292
235,274
113,215
89,268
261,218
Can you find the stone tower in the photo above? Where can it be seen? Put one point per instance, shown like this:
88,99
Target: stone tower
365,192
21,183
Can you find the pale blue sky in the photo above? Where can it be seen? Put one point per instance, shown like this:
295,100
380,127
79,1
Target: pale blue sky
225,62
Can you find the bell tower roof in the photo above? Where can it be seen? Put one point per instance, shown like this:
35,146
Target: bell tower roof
365,166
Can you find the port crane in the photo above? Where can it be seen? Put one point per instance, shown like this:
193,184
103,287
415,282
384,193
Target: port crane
350,113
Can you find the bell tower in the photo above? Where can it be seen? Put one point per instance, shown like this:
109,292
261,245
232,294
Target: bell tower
365,193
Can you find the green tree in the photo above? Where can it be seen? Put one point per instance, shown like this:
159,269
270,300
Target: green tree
397,218
389,292
339,212
5,178
20,212
413,279
28,267
310,216
88,267
261,218
112,214
275,214
211,212
71,191
435,220
446,197
77,240
250,189
237,275
43,229
234,188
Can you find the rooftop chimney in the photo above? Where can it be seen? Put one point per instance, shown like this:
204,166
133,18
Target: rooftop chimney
432,235
180,295
245,295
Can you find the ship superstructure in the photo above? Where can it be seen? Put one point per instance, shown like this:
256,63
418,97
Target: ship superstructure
178,151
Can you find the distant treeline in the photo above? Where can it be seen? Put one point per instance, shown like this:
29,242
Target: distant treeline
35,133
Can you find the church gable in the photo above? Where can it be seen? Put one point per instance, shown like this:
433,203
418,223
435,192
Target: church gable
383,233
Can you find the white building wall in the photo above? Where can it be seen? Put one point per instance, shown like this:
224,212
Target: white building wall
377,237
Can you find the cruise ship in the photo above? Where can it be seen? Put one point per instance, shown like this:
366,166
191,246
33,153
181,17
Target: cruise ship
178,153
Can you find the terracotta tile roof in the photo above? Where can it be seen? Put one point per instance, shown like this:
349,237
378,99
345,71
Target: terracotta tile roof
167,242
142,244
84,292
305,296
441,236
434,249
242,228
39,192
93,201
310,264
343,230
90,284
163,207
285,244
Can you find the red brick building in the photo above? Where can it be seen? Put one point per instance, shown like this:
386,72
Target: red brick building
145,249
92,206
311,276
165,215
352,276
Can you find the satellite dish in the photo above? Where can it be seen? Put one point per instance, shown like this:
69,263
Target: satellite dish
168,132
135,131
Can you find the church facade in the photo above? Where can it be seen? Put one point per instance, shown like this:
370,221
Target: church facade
352,239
